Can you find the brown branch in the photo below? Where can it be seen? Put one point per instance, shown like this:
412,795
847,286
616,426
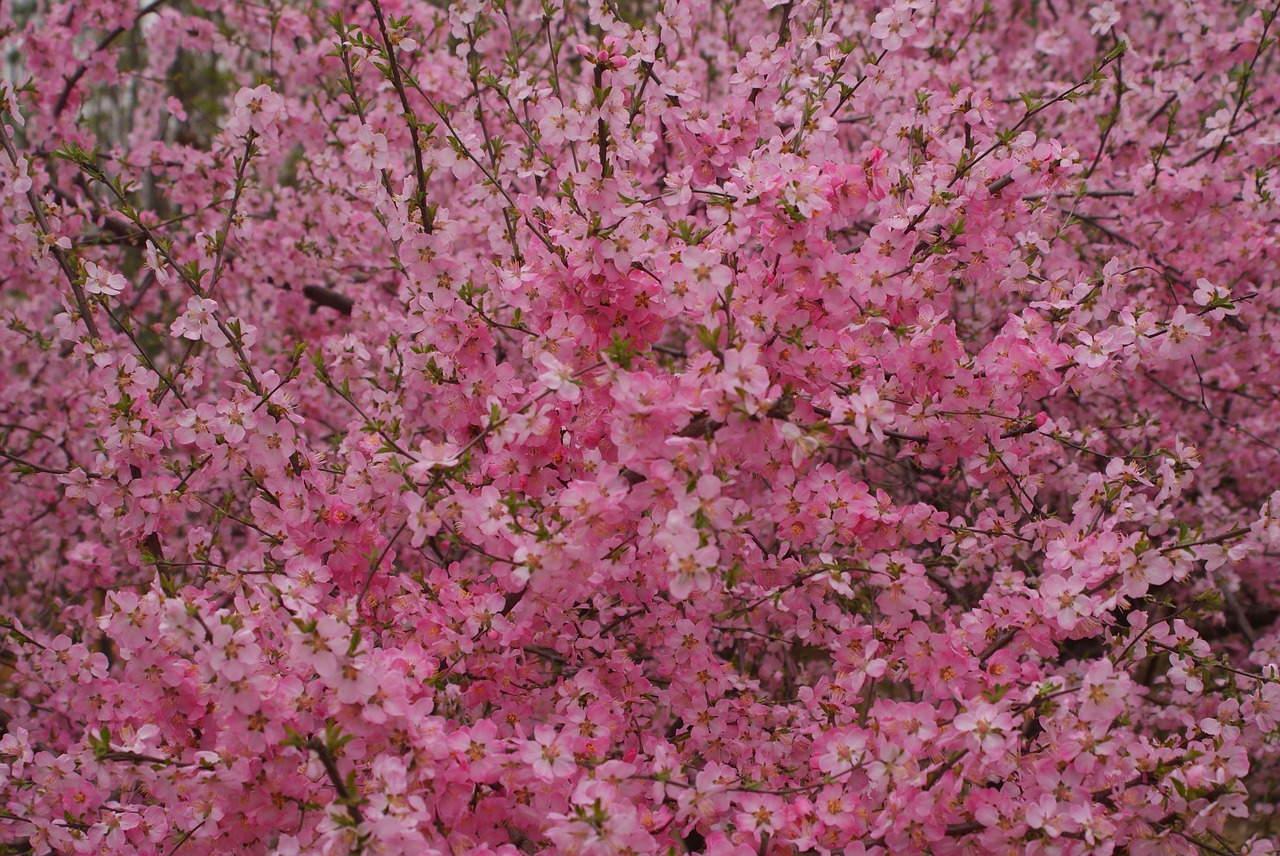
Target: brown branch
64,262
75,76
335,777
323,296
409,116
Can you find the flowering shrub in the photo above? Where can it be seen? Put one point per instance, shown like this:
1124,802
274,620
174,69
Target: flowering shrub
639,426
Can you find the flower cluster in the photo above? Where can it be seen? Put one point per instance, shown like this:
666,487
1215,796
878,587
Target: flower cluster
656,426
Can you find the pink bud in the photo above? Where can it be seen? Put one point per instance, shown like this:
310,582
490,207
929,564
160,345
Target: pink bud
584,51
1040,419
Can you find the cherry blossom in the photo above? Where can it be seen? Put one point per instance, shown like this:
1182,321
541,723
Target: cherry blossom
661,427
99,280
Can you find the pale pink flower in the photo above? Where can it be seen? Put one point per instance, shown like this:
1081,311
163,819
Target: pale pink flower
1104,17
558,378
893,26
99,280
198,320
369,151
258,109
547,754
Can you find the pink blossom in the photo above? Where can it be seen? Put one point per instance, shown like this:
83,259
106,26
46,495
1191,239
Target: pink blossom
102,281
603,429
370,150
1064,600
1104,17
257,109
547,754
9,103
16,175
559,378
199,321
987,725
893,26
